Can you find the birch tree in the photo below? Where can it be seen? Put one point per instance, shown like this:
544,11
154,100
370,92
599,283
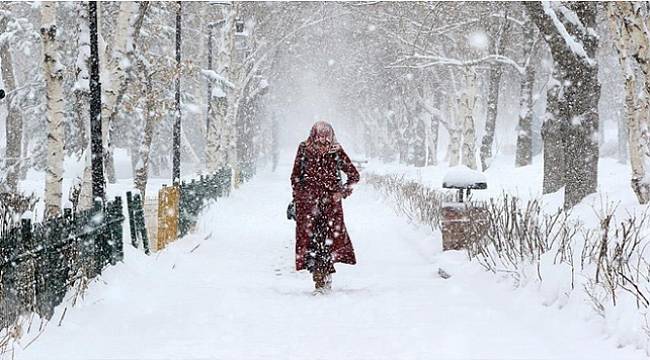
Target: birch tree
121,54
151,118
14,120
81,87
632,43
468,103
82,99
455,133
54,90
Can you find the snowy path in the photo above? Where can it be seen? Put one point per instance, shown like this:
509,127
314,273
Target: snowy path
236,296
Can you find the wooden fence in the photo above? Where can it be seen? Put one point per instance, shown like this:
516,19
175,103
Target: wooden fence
174,213
40,262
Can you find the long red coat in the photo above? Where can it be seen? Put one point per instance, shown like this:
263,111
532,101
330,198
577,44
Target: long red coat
314,181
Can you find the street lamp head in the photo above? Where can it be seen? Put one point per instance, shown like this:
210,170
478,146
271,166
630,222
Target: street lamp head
220,3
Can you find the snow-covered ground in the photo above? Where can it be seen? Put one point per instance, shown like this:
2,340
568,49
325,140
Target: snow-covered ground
230,291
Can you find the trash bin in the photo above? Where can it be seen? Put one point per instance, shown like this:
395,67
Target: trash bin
462,221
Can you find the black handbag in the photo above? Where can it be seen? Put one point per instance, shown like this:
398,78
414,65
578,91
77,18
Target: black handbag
291,211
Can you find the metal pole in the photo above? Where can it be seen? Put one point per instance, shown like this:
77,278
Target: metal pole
96,146
176,175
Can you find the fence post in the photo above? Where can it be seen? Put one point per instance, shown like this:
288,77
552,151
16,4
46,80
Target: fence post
183,204
129,206
139,222
27,296
116,241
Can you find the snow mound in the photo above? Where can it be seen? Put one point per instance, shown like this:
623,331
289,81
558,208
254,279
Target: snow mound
462,177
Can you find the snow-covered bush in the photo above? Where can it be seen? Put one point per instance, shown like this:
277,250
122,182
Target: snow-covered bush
416,201
553,251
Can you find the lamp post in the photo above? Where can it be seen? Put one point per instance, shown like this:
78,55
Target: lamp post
176,162
96,146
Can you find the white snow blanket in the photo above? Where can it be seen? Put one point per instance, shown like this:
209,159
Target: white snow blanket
230,291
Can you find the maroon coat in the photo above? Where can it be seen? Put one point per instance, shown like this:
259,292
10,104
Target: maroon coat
314,181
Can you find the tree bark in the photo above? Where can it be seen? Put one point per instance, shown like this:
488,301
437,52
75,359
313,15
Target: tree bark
628,27
494,83
524,155
552,138
54,90
580,91
129,23
14,120
454,134
434,131
494,78
81,87
469,134
142,167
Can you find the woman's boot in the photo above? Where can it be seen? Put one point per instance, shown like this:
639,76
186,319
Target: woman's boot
327,283
319,282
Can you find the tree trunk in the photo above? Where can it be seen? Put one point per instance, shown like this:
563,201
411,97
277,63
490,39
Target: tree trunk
524,154
469,134
225,106
491,117
216,156
118,75
579,94
129,22
454,134
54,90
14,120
142,167
82,99
81,88
433,137
124,43
622,139
627,27
552,138
494,83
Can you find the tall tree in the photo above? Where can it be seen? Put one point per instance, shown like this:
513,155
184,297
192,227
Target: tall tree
569,31
468,103
54,85
553,137
524,155
497,46
632,42
14,120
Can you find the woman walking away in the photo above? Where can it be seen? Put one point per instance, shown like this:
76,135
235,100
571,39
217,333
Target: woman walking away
321,236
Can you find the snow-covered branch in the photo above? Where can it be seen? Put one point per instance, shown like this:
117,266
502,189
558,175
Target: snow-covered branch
429,61
575,46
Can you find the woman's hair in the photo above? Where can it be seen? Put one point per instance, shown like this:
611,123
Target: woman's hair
323,128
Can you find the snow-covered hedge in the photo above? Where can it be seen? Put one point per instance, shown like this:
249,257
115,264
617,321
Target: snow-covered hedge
566,260
416,201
